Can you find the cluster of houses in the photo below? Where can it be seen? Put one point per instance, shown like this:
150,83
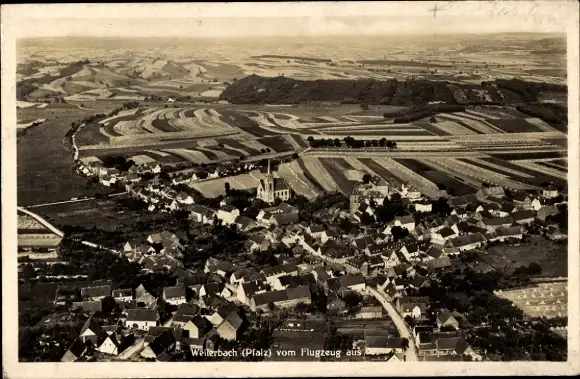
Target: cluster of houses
158,251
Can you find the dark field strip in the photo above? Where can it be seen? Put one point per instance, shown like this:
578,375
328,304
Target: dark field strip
562,162
189,113
380,170
163,125
339,162
109,129
309,176
244,123
238,145
433,129
299,140
336,173
468,127
207,152
439,177
516,125
563,142
525,155
277,143
278,126
551,165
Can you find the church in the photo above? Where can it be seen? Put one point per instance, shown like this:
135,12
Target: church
272,188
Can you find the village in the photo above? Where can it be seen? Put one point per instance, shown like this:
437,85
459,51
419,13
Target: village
355,279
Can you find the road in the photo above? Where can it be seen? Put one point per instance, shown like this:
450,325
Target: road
41,220
72,201
411,352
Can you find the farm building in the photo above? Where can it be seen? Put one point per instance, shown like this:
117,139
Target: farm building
547,211
370,312
550,192
466,242
141,318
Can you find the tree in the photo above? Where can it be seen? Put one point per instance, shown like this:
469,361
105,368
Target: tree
28,272
404,343
227,187
433,120
366,178
364,107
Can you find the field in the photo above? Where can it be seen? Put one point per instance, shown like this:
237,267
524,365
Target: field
551,257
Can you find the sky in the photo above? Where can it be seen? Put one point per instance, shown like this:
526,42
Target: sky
284,19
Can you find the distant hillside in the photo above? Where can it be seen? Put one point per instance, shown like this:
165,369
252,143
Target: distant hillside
255,89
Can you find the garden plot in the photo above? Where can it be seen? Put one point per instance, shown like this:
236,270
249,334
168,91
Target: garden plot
219,155
193,156
319,173
337,174
407,175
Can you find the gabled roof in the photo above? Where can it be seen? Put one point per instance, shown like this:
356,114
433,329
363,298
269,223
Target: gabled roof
141,315
446,232
77,348
435,252
188,309
233,320
162,343
511,231
523,215
498,221
351,280
438,263
93,325
406,219
521,197
174,292
383,342
444,315
122,292
467,239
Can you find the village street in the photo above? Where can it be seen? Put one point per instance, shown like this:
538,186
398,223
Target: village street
411,352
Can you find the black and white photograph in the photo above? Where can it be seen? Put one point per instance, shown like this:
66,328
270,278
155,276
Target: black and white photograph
382,184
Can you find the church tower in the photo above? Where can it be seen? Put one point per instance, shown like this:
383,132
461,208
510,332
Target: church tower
269,185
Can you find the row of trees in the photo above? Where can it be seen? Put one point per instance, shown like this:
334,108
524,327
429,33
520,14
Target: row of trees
351,143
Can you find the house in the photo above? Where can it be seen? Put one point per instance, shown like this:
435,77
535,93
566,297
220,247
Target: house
160,238
142,296
315,231
123,295
409,192
370,312
220,267
111,345
446,318
486,192
350,282
272,188
215,288
547,211
496,222
245,275
228,214
410,251
200,213
488,207
407,222
412,306
75,351
197,327
188,309
174,295
524,217
443,345
248,289
441,236
420,233
328,235
537,203
230,327
460,212
221,313
381,345
434,252
141,318
506,209
272,273
556,234
92,332
244,223
335,305
466,242
184,198
550,192
95,293
258,242
163,343
522,200
437,264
